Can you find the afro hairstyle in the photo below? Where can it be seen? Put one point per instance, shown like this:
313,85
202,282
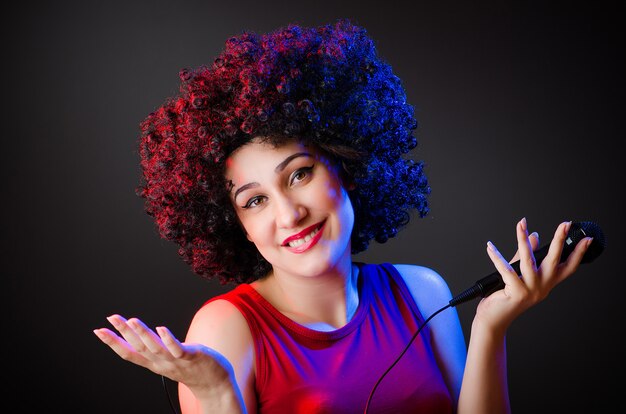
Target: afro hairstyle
323,86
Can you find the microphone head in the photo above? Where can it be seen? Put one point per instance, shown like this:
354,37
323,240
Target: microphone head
582,229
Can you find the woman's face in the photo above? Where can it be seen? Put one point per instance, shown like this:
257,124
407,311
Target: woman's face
292,205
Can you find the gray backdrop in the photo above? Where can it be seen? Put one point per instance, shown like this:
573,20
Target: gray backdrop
521,111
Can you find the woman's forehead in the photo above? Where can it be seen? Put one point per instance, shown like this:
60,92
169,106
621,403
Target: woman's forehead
260,151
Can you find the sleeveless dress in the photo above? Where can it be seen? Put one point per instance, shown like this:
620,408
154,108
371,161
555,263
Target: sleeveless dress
304,371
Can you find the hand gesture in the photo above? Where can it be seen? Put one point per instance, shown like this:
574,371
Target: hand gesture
536,280
206,372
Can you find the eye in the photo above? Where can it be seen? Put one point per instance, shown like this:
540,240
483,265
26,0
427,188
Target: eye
301,174
254,202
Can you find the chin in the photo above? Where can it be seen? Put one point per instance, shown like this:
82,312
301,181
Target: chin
318,264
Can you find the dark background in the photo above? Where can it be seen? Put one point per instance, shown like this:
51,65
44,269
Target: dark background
521,112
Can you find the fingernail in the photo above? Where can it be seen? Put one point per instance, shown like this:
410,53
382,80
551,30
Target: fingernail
567,226
522,223
113,320
589,241
490,246
534,233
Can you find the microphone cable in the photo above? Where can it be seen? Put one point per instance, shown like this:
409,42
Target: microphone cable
406,348
485,286
169,397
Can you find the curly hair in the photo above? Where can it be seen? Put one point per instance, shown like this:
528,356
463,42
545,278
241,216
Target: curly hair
324,86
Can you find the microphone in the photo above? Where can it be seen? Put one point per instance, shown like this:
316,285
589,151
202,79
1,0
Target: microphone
578,231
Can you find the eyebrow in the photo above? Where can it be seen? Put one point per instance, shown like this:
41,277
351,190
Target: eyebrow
287,160
279,168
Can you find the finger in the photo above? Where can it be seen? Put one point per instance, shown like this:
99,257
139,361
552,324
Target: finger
169,340
110,338
509,275
528,267
574,259
120,346
129,334
534,243
151,340
553,257
534,240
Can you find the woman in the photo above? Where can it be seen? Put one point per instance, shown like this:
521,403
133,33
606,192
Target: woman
270,169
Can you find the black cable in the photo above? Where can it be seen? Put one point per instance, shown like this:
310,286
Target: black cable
367,405
169,397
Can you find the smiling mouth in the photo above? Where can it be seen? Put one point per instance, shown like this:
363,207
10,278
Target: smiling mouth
306,238
303,237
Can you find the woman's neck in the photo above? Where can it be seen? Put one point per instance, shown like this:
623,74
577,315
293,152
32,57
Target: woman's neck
323,302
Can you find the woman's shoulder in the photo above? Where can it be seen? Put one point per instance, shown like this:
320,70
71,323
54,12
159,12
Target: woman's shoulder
428,288
219,325
218,320
422,277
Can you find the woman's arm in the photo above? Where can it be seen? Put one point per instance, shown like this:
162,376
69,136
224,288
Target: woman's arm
485,388
431,293
220,326
208,364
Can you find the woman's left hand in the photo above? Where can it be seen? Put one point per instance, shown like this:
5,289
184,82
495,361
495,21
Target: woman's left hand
500,308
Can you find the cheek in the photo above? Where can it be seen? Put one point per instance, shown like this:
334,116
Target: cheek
335,198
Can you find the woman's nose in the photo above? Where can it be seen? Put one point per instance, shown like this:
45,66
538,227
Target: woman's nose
288,212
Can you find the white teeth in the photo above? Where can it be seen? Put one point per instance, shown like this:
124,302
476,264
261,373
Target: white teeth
296,243
299,242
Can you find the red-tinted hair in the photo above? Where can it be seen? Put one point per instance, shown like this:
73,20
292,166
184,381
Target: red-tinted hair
325,86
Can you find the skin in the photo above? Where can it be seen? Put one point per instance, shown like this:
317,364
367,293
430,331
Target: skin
281,192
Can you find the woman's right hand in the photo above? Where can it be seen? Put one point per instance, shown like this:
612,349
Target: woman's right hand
206,372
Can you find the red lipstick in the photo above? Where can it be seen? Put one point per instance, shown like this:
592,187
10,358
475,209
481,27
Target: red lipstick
299,236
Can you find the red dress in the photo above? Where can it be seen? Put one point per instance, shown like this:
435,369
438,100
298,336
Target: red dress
301,370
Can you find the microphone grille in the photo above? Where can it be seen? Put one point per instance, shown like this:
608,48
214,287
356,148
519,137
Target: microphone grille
591,229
